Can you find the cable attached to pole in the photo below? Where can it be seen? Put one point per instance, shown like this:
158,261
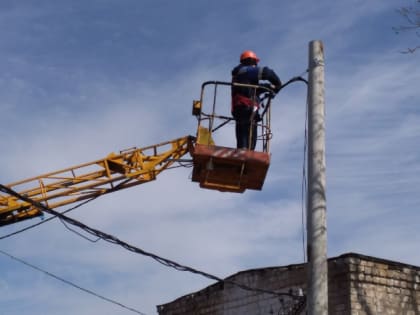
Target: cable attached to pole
272,94
303,190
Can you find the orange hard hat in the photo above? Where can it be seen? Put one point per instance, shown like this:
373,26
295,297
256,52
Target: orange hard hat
249,54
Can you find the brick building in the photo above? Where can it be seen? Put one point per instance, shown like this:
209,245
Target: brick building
357,285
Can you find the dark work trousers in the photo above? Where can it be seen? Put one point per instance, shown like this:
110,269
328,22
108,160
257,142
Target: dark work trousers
245,126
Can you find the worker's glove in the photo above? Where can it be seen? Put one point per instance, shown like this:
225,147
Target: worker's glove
268,86
273,89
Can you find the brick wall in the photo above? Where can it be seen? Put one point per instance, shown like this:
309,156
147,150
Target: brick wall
357,285
228,299
383,287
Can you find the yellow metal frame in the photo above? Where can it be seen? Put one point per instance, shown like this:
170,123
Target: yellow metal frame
89,180
225,168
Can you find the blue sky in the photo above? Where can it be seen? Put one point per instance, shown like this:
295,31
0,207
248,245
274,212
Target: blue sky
80,79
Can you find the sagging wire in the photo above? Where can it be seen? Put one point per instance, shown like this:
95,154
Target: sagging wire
64,212
46,220
187,163
300,305
114,240
304,180
294,79
71,283
77,233
304,184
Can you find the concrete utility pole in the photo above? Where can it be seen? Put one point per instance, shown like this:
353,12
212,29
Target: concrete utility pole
317,296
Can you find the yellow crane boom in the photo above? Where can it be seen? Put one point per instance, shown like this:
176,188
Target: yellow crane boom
128,168
214,167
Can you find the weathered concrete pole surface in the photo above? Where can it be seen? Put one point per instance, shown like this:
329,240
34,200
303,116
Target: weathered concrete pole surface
317,296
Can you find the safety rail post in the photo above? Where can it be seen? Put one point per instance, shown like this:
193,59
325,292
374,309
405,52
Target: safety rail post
317,295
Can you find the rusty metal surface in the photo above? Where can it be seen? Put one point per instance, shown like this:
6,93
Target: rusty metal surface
228,169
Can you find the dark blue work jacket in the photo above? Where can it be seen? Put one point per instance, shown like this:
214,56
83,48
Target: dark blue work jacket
246,74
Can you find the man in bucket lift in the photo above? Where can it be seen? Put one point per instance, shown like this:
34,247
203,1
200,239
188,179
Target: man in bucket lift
245,99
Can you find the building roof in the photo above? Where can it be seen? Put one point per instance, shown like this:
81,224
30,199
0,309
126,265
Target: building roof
347,257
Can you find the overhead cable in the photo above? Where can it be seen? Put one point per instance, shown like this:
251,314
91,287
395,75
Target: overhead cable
304,182
46,220
71,283
114,240
304,179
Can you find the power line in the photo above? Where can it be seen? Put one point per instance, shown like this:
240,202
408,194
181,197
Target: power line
46,220
117,187
303,185
114,240
70,283
304,180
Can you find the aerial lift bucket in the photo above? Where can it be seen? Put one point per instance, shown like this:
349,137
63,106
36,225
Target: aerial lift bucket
224,168
228,169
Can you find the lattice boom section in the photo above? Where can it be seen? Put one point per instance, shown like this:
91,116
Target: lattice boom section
117,171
